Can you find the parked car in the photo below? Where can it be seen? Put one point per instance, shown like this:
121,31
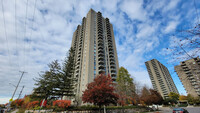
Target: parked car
180,110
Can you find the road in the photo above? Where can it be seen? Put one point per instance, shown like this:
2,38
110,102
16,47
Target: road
190,109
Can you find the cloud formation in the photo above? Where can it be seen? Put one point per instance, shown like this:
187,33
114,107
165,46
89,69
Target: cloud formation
141,31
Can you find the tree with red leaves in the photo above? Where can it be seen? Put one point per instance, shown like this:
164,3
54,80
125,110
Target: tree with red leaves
100,91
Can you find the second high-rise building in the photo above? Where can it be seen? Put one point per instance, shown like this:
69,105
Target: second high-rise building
160,78
95,50
189,73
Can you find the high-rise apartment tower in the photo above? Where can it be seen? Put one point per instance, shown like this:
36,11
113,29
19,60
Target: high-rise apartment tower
95,50
189,74
160,78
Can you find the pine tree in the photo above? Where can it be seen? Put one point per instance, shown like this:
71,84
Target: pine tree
57,81
66,79
47,83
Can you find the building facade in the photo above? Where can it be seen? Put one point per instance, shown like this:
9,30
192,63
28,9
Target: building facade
160,78
189,73
95,50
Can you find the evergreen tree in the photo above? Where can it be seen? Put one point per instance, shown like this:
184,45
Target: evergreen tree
57,81
66,79
47,84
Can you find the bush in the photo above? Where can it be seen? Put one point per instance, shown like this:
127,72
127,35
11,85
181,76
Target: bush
33,104
62,103
17,103
183,105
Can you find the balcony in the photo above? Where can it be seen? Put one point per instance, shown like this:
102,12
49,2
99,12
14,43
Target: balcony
190,78
101,56
78,63
113,75
100,38
77,67
101,62
108,34
101,71
112,60
109,46
114,79
110,49
113,72
109,41
112,66
100,48
79,51
183,65
100,41
100,53
111,55
112,63
100,31
100,35
111,52
77,70
100,44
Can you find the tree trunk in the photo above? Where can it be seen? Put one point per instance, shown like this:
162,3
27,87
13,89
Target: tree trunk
99,108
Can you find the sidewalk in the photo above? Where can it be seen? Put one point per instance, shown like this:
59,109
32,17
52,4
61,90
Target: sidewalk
15,111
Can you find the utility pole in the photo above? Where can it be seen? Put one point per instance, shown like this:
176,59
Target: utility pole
8,106
20,92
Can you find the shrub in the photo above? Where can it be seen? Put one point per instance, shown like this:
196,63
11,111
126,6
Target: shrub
32,104
62,103
17,103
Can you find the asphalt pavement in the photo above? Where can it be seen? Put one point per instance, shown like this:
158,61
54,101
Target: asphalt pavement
169,110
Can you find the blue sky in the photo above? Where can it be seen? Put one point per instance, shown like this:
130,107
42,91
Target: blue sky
35,36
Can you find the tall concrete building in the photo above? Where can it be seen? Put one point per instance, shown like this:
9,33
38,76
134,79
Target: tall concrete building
160,78
189,74
95,50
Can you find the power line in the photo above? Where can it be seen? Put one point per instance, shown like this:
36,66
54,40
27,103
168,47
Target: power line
25,32
16,35
31,28
5,33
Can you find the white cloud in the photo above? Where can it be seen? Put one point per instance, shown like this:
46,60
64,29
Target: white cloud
171,5
133,8
171,26
52,33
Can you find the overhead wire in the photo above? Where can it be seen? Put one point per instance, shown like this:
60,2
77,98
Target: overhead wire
16,35
6,33
30,36
24,59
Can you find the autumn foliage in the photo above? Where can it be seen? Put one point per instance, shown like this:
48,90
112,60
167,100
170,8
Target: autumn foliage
62,103
32,104
150,97
100,92
17,103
